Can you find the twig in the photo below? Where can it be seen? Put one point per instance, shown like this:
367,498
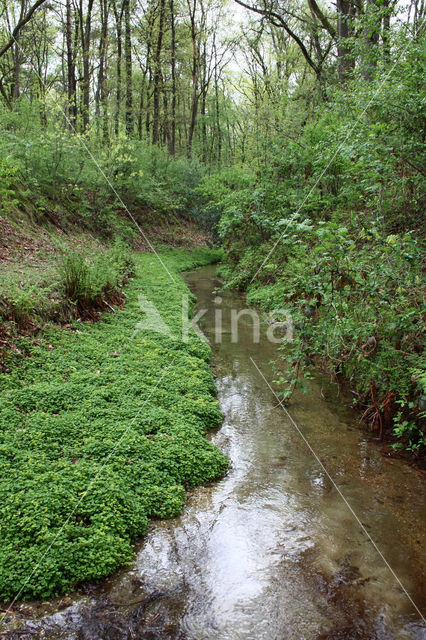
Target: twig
154,618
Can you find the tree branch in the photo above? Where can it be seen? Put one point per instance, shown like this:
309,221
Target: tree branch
22,22
322,18
278,21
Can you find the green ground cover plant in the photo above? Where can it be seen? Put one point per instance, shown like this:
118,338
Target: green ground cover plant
102,428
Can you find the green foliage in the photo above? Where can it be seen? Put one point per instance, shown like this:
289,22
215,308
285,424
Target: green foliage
58,288
8,173
25,303
75,274
72,179
20,304
330,228
102,428
361,150
412,410
356,300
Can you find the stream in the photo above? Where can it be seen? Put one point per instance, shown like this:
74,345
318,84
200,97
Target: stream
271,551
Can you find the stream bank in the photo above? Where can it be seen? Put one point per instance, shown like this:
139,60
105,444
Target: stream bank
271,551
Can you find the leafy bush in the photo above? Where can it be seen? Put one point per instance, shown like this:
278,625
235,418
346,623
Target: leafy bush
21,305
356,299
222,192
8,177
331,227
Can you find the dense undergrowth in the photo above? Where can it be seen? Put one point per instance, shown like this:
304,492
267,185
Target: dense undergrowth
356,302
102,428
330,228
73,180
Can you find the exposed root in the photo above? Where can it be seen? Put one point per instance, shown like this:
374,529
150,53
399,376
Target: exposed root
378,414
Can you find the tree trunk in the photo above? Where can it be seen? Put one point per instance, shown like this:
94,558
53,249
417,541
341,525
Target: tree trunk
85,34
166,129
371,38
194,74
144,89
16,72
71,79
204,85
103,73
128,63
172,142
217,113
118,15
344,31
387,11
157,75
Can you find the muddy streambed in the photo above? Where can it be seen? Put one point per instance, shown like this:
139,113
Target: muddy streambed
270,552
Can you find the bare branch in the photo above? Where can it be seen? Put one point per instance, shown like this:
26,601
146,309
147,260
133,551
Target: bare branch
279,21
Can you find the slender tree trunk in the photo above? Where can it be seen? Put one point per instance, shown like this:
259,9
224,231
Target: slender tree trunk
128,63
217,114
166,128
85,35
103,72
118,15
148,105
144,88
344,31
157,75
203,127
371,38
172,143
141,108
148,72
204,84
185,119
71,79
16,74
387,10
194,74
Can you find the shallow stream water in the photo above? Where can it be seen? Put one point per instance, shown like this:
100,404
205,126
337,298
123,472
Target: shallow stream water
271,551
